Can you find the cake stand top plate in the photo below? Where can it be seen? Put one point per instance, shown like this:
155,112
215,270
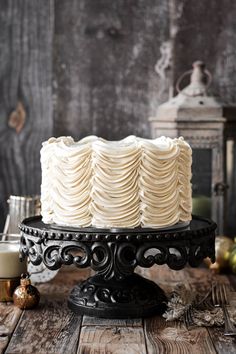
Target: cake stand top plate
198,227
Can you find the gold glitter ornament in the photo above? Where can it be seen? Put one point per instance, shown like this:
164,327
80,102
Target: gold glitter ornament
232,259
26,296
223,246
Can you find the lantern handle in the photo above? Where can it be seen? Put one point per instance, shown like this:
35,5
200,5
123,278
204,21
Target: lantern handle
207,85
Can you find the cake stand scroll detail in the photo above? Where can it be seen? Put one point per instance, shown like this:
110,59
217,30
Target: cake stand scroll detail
116,291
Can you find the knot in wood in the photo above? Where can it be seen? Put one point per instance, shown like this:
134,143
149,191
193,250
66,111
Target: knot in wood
17,118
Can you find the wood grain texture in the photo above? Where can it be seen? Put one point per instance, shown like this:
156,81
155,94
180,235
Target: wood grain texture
173,337
26,32
223,344
105,53
104,340
94,321
52,327
9,317
200,280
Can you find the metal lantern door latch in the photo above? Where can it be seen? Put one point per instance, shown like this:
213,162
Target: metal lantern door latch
220,188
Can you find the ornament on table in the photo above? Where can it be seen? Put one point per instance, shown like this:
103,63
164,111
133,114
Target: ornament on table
26,296
223,247
232,258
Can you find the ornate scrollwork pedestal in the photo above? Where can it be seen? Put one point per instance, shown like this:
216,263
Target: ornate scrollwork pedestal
116,291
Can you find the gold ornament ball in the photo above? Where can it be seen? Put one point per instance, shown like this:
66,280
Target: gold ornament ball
232,259
26,296
223,246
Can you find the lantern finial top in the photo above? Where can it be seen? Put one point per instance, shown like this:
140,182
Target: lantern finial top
198,74
200,80
192,103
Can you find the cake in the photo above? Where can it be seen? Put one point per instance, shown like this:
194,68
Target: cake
129,183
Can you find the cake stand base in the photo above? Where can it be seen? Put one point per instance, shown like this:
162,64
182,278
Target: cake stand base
132,297
116,291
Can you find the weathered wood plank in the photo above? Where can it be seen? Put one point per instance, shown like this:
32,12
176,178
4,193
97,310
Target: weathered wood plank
26,33
99,335
223,344
200,279
114,69
173,337
9,316
94,321
102,336
96,332
101,340
52,327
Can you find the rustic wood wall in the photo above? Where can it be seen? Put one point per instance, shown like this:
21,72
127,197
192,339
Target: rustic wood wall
80,67
26,112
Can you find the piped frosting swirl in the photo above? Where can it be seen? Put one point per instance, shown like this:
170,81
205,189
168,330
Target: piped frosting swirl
127,183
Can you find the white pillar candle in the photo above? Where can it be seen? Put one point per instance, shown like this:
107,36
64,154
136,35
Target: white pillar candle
10,264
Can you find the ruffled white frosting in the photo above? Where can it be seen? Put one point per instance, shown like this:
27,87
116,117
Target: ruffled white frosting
124,183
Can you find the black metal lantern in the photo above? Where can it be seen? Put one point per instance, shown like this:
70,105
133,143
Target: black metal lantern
200,119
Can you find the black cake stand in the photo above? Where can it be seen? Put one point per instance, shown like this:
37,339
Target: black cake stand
116,291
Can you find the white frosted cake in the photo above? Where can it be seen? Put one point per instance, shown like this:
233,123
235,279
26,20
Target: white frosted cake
129,183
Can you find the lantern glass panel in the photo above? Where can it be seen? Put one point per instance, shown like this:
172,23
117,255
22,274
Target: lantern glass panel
202,181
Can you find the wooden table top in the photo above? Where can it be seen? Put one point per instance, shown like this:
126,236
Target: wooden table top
53,328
